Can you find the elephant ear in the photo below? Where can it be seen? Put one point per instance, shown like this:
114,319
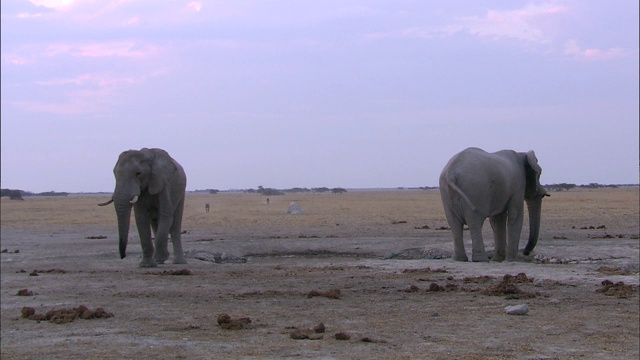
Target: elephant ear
533,171
161,168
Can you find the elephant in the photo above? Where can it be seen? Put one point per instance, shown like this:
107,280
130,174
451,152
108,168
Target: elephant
475,185
154,184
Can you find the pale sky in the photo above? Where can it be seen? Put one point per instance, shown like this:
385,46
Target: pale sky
334,93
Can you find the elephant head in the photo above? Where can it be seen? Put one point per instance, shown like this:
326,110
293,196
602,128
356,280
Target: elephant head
137,172
534,193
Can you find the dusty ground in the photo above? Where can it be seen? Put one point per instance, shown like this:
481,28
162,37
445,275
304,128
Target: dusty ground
361,263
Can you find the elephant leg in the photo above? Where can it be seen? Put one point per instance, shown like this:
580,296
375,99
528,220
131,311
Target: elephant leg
144,230
176,235
161,252
514,228
456,225
499,226
162,237
478,252
458,243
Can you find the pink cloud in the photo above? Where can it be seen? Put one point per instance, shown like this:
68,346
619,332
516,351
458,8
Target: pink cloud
517,24
572,49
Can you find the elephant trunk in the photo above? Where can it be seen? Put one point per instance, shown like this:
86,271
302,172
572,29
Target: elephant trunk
535,209
123,202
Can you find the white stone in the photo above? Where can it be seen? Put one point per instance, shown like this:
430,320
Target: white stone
521,309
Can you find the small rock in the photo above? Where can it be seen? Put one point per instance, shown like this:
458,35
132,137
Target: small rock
521,309
319,328
342,336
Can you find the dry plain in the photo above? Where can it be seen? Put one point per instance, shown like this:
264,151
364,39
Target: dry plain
376,259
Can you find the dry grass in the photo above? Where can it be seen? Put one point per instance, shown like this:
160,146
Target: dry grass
371,212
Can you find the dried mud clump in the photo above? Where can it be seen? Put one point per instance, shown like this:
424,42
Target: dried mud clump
342,336
226,322
96,237
63,316
171,272
508,288
28,311
25,292
411,289
330,294
618,289
308,334
447,287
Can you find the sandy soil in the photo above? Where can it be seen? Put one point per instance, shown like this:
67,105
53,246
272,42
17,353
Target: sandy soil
363,264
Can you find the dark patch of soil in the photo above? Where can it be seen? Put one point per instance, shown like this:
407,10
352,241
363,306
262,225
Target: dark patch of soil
342,336
171,272
618,289
330,294
426,270
478,279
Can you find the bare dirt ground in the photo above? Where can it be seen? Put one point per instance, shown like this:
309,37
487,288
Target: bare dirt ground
371,266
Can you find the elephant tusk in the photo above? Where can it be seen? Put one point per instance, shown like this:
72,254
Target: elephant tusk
134,200
106,202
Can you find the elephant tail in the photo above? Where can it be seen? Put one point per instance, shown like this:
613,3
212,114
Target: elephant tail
450,181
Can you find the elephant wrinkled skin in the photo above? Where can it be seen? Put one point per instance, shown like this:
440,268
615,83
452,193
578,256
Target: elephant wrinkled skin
154,184
476,185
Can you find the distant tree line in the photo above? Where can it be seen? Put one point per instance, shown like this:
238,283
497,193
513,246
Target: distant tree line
272,192
567,187
15,194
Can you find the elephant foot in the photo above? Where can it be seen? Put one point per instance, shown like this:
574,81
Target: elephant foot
147,263
462,257
479,257
161,258
497,258
179,260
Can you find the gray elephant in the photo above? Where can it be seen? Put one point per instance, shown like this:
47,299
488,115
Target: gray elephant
476,185
153,183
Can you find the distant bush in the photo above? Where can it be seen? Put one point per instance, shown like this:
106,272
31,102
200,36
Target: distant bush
560,187
52,193
12,194
269,191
